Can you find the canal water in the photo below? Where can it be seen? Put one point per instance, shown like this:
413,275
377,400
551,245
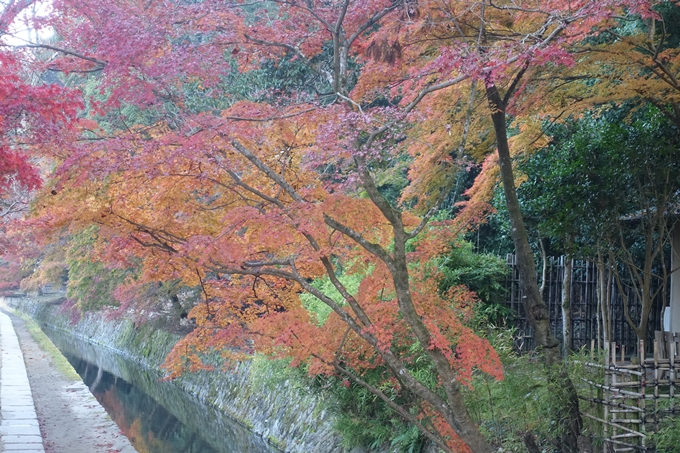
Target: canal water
157,416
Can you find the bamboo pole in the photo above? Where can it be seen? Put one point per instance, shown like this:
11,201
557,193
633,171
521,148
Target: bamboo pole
623,353
592,349
656,385
672,349
613,351
629,369
627,435
607,380
614,389
624,408
626,444
622,428
613,404
627,384
643,384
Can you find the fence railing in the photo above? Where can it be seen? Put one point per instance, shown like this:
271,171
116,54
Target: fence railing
584,307
628,400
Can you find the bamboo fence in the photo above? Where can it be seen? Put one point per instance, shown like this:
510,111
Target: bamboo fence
633,396
585,310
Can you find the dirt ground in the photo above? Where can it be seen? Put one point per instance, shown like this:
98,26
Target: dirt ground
71,420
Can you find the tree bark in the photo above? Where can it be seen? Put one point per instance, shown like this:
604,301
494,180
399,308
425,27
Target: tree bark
534,306
604,296
530,443
566,306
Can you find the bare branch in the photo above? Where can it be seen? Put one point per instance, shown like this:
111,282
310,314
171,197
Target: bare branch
101,64
370,22
391,214
351,101
252,190
351,301
374,249
268,263
515,82
290,190
270,118
341,17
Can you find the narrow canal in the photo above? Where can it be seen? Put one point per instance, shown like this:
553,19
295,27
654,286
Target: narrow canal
157,417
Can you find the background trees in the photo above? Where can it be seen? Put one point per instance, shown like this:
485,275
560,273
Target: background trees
605,188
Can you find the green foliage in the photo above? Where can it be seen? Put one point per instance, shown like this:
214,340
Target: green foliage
671,16
667,438
494,236
90,283
521,403
525,402
571,186
364,420
597,171
319,309
392,176
484,274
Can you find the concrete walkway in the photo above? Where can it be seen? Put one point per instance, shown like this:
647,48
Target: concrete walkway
19,430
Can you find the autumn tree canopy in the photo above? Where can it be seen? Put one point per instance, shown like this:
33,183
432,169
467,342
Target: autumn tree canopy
31,115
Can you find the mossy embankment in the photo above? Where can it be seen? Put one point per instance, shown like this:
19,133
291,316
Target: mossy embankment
265,399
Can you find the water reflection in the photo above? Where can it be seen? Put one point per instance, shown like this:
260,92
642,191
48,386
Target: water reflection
157,417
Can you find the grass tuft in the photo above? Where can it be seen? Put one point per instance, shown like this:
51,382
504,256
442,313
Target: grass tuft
46,345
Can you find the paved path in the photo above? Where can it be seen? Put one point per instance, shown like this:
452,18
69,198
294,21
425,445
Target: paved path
19,430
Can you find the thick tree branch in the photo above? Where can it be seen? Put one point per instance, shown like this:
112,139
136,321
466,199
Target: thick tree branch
374,249
264,168
392,215
372,21
100,63
238,181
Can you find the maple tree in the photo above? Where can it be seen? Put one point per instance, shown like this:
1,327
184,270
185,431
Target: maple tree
34,117
251,196
30,114
271,189
637,61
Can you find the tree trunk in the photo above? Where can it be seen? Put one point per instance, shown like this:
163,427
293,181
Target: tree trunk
452,405
566,306
177,306
534,306
604,290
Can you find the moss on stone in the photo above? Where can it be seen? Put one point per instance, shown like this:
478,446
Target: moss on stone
278,443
